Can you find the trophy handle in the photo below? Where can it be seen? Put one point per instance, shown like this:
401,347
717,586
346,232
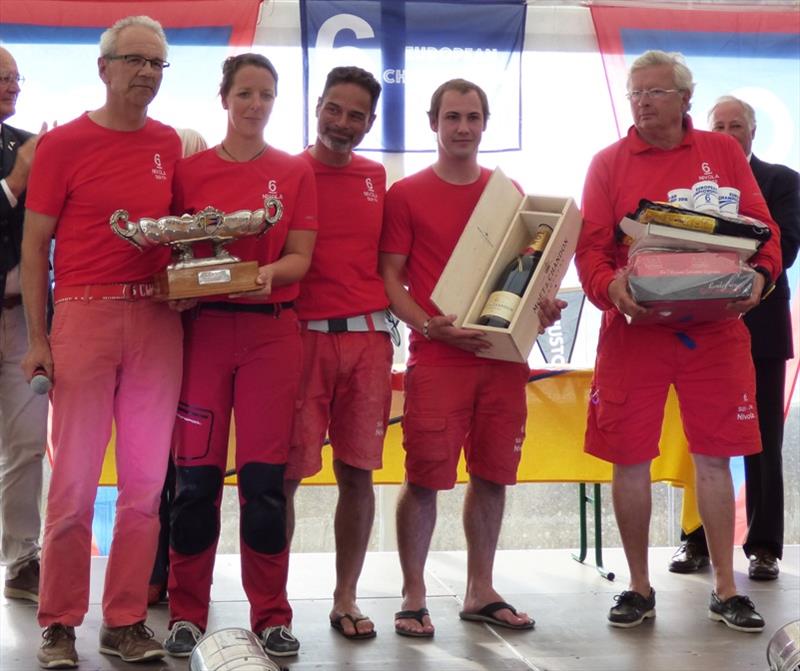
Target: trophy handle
273,212
126,231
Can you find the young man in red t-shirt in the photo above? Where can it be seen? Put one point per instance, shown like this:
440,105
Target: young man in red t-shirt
453,398
346,386
113,352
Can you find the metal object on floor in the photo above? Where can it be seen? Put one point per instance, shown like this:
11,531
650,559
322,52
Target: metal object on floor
598,530
783,651
230,650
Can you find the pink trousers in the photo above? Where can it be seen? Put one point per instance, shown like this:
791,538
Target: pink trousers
120,360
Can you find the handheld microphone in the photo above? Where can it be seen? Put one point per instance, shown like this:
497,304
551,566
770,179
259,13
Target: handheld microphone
40,383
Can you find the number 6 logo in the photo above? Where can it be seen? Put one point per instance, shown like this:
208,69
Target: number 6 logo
272,185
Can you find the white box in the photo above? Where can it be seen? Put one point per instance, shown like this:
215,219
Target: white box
502,224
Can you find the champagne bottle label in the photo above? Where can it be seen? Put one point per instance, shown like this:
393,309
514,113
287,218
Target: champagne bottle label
502,304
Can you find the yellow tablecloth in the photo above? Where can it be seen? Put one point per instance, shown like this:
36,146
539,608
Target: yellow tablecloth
553,448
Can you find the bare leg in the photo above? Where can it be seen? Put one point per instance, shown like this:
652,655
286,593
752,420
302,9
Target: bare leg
289,490
483,516
631,491
416,518
716,502
355,512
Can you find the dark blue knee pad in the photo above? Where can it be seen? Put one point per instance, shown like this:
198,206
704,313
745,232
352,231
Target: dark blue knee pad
263,513
194,518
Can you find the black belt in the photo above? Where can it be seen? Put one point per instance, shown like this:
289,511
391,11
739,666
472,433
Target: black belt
337,325
260,308
13,301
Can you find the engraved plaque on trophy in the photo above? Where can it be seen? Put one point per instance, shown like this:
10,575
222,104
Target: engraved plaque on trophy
191,277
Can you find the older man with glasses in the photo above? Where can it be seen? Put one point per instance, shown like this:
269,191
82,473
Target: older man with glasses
708,363
113,352
23,413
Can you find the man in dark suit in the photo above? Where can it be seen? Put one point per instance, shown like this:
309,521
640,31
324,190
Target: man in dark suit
771,333
23,414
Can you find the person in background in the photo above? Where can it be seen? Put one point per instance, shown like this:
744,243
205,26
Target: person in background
23,413
346,385
453,399
708,362
243,354
770,326
191,143
113,353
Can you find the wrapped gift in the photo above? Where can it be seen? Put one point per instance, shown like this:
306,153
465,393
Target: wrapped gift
685,286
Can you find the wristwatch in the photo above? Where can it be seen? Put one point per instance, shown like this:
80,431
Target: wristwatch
769,285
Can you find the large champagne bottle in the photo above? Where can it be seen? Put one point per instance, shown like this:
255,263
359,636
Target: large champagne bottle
504,300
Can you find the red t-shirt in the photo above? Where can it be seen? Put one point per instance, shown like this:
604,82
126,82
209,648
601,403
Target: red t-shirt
631,169
205,179
83,173
423,220
343,279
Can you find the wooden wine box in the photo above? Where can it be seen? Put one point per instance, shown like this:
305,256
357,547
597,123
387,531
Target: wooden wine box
502,224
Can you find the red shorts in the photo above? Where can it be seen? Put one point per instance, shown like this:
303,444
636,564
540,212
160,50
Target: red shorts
482,408
712,371
345,392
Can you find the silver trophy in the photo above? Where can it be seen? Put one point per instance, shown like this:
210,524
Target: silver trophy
188,276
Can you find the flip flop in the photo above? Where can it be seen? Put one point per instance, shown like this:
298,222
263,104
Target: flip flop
412,615
486,614
336,623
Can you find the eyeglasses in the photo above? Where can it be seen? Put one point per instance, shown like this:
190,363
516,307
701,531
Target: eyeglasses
9,78
655,94
138,62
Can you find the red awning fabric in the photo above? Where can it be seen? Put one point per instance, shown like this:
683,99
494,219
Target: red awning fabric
241,15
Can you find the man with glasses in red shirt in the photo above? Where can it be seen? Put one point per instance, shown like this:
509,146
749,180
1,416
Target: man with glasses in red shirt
113,353
708,362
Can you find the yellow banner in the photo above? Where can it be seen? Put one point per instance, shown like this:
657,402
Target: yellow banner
553,448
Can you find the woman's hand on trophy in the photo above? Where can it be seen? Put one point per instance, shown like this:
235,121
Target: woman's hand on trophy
264,281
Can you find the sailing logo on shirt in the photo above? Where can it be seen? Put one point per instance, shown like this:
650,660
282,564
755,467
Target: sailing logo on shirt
369,192
272,190
707,173
158,171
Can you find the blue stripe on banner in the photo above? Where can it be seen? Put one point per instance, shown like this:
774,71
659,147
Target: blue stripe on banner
412,47
720,45
15,33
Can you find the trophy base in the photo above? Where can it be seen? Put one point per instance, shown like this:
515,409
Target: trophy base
222,278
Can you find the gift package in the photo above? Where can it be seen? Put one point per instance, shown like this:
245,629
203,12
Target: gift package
687,286
687,265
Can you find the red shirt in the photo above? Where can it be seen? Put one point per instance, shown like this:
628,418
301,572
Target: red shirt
632,169
343,279
423,220
205,179
83,173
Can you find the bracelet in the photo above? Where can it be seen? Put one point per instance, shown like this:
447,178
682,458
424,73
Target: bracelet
426,325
